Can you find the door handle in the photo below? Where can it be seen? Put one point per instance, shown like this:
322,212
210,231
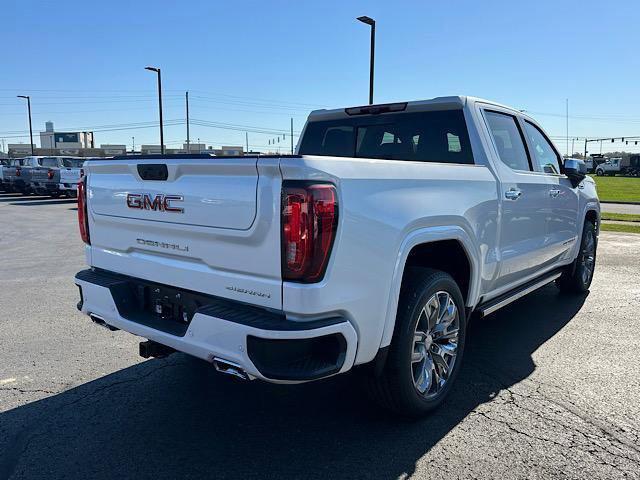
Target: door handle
554,193
513,194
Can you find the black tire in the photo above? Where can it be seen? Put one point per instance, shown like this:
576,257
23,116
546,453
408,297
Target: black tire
395,387
577,276
599,173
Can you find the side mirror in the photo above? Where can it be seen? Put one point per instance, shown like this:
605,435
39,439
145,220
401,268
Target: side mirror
576,170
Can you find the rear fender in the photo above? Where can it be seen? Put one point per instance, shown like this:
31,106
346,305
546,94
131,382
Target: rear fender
430,235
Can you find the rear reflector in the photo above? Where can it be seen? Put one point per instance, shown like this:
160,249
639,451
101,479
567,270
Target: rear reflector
309,223
83,218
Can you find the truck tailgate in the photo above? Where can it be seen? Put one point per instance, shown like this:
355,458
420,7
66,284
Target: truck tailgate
211,226
41,174
69,175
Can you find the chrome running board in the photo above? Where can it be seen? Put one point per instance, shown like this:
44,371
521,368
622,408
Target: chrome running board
505,299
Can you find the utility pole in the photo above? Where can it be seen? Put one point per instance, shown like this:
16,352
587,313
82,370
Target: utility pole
188,143
29,110
133,144
585,149
291,135
246,139
157,70
372,23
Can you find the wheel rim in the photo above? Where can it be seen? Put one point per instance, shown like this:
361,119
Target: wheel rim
435,344
588,258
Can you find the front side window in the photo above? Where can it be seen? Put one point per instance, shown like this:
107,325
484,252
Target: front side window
437,136
508,139
544,156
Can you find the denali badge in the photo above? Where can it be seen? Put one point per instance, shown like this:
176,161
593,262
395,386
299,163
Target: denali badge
158,203
168,246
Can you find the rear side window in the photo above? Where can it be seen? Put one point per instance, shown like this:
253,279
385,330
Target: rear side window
49,162
508,139
439,136
545,157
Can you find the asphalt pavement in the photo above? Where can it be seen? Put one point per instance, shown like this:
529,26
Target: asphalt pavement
620,208
549,388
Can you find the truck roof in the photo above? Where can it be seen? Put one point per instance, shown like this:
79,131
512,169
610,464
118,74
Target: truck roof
437,103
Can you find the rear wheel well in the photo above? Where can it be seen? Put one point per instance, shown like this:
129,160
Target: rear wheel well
446,255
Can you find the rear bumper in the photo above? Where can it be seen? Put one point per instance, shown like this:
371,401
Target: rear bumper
264,344
45,187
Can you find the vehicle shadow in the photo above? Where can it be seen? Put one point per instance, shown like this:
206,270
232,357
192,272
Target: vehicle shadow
177,418
18,197
47,202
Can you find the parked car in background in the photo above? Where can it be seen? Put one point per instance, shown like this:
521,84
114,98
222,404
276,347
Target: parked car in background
18,174
57,176
370,248
613,166
593,161
3,163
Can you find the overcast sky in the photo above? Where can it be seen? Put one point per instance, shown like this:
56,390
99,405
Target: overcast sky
259,63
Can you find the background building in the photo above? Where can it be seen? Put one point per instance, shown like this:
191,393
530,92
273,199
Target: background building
112,149
65,141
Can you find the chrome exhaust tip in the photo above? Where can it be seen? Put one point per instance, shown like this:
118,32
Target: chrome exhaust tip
230,368
100,321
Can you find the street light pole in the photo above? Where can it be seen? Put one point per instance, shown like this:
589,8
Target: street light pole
29,110
372,23
157,70
188,142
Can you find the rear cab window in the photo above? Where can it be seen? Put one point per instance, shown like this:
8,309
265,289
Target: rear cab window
73,162
431,136
51,162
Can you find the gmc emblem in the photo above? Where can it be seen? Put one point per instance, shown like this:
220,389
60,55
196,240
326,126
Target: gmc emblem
157,203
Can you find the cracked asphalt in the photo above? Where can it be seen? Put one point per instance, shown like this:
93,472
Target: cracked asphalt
550,388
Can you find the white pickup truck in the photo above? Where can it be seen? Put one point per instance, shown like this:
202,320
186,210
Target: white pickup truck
57,176
612,166
370,247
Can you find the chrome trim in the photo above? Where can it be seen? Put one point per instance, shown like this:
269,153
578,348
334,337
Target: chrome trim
229,368
519,294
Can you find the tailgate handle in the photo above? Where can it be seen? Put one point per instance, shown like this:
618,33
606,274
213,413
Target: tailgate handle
152,171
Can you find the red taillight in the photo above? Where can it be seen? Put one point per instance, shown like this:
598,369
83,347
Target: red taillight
18,171
83,218
309,222
50,174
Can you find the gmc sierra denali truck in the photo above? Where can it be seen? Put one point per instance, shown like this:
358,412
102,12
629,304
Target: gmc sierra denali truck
57,176
370,247
17,174
3,185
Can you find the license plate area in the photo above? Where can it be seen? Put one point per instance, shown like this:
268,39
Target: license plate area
167,303
157,306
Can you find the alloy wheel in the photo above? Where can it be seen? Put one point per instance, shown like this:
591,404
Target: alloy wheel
435,344
588,258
